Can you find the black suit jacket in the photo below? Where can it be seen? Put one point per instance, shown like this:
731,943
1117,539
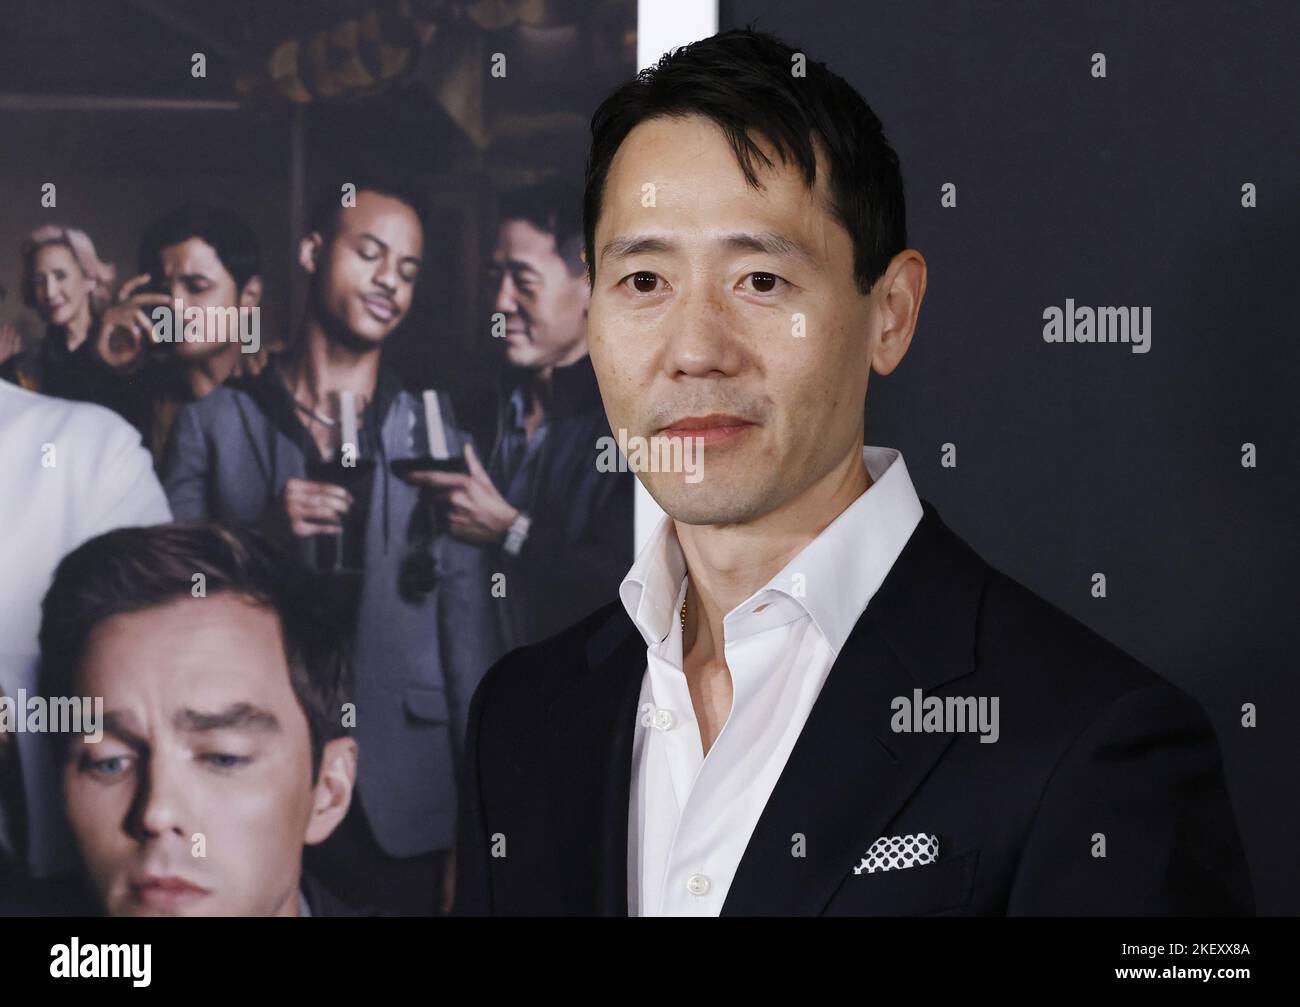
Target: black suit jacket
1091,742
579,544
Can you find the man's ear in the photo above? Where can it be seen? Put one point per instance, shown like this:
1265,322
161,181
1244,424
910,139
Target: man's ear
333,791
902,289
309,251
251,295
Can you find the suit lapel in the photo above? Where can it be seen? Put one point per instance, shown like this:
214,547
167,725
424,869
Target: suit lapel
592,728
849,773
847,776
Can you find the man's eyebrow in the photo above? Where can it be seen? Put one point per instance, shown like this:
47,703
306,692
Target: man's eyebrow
768,242
238,717
119,725
621,248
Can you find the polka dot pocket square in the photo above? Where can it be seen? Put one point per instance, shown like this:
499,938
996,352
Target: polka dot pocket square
892,853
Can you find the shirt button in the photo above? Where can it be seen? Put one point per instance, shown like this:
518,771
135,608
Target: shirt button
697,884
664,719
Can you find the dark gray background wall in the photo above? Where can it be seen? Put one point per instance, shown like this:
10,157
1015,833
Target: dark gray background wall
1074,459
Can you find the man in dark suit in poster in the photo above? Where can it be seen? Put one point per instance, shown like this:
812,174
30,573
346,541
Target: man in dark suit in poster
556,528
268,452
810,697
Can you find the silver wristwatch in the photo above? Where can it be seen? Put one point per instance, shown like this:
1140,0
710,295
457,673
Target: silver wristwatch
517,534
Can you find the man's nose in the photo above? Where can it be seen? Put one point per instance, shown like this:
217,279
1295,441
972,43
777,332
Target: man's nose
386,273
703,339
160,801
506,301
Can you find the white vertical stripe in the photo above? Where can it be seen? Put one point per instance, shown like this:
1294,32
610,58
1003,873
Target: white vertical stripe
665,24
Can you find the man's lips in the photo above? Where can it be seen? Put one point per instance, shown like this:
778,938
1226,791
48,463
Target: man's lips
163,892
380,307
711,428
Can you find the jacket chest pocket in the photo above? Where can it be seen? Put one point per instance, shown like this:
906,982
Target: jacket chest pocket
910,891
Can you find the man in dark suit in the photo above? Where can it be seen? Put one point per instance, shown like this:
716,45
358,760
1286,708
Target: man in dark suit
268,452
810,697
557,529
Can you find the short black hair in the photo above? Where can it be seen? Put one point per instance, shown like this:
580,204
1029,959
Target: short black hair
131,569
397,184
744,80
233,240
555,208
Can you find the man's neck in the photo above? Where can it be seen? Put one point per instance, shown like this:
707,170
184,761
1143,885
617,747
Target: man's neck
537,399
537,386
539,382
728,563
322,365
210,372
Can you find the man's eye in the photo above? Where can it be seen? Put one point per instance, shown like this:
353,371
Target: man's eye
369,254
105,769
764,283
643,283
409,274
224,760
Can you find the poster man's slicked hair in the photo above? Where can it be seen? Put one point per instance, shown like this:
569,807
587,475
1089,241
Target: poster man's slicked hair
231,238
554,207
751,82
132,569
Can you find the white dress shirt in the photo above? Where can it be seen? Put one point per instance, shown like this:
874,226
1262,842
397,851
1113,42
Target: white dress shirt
72,471
690,816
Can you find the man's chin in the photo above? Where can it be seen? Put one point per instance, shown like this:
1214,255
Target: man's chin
131,908
521,355
146,913
700,503
368,331
360,334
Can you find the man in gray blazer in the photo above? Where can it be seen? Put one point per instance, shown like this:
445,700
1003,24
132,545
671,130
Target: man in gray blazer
274,452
